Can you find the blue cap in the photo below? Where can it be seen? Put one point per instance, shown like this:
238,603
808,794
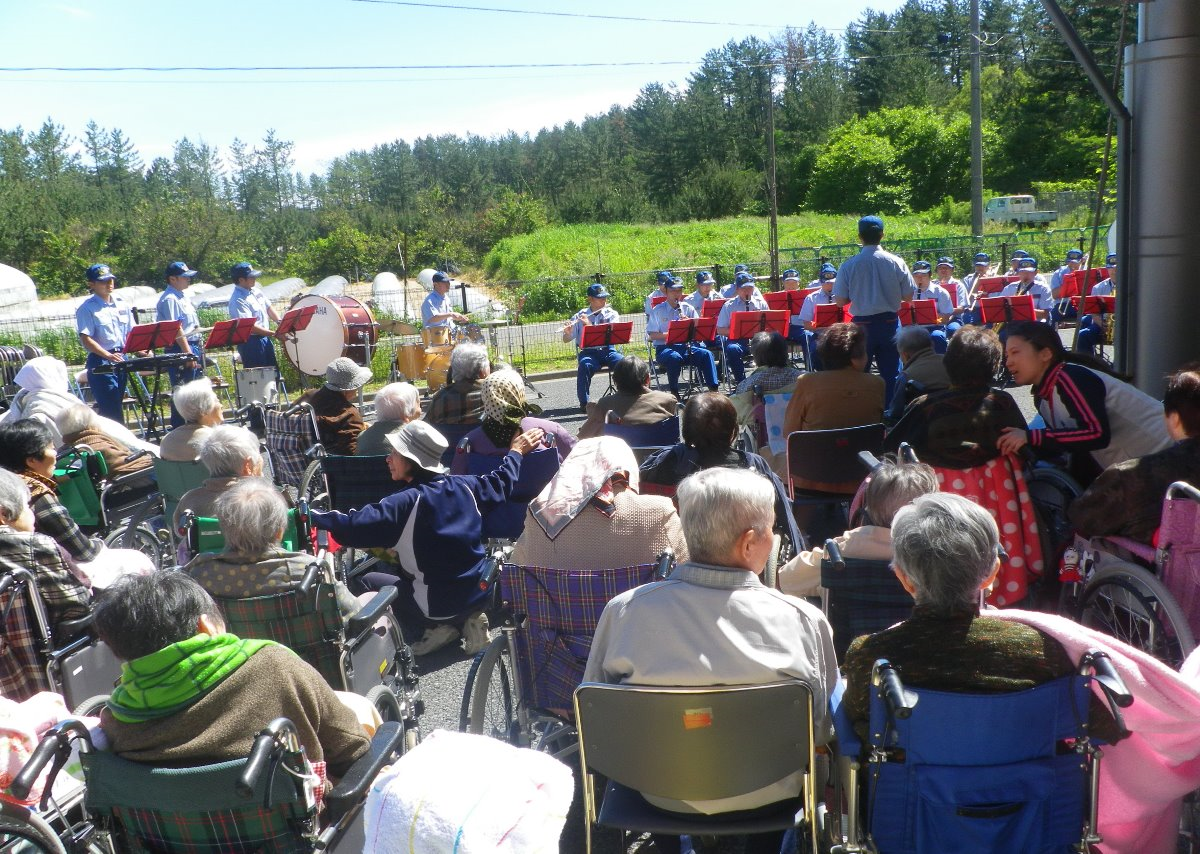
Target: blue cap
704,278
598,291
870,225
1018,254
827,269
789,274
742,279
1110,260
1074,254
921,267
675,284
99,273
244,270
1027,263
178,268
945,261
663,277
439,276
982,258
740,268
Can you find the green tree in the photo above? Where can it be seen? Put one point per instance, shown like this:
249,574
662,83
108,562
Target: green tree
859,173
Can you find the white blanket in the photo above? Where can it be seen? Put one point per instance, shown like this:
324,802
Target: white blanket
468,794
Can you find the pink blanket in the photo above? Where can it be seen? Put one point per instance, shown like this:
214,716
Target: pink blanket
1143,777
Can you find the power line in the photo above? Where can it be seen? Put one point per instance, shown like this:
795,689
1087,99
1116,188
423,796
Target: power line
587,15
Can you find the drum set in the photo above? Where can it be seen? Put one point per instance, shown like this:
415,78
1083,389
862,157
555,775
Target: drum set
430,359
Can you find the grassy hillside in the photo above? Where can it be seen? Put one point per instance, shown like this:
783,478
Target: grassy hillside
584,249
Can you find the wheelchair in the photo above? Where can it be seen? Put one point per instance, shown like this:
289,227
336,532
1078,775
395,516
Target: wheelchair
174,480
290,435
519,689
262,804
860,596
65,658
538,468
992,787
102,506
1147,597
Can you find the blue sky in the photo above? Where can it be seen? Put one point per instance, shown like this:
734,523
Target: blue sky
328,113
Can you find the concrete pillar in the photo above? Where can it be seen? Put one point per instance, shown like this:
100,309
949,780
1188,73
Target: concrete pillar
1162,91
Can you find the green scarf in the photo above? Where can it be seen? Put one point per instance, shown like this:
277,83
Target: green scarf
165,682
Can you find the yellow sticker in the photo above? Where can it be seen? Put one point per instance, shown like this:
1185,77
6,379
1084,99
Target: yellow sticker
383,666
697,718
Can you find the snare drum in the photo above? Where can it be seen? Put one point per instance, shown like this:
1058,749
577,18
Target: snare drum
410,361
341,326
256,385
436,336
437,367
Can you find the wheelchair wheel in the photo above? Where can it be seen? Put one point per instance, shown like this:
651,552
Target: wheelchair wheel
312,487
91,706
143,540
1130,603
1052,491
29,834
487,707
385,702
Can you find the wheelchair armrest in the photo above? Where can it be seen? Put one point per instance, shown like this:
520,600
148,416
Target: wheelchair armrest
869,460
315,452
385,744
370,613
833,554
70,629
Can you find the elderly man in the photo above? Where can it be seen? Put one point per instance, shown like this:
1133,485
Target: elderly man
461,401
591,359
947,554
192,694
339,422
253,516
229,453
633,401
248,300
714,623
395,405
200,409
876,282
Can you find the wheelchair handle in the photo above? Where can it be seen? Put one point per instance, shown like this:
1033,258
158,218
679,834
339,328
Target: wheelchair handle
1183,489
309,579
906,453
893,690
274,734
1110,680
491,572
14,577
666,561
833,554
57,739
869,460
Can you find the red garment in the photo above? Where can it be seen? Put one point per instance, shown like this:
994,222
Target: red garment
999,486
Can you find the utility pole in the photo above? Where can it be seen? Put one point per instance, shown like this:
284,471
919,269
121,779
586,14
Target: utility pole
976,127
772,195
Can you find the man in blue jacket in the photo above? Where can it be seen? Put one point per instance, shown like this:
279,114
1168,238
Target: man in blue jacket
434,526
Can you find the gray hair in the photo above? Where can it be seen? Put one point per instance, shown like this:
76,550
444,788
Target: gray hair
913,339
895,484
196,399
718,505
947,545
14,496
469,362
75,418
226,449
252,514
397,402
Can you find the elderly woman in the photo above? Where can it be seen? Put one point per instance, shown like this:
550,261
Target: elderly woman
1090,414
253,516
772,374
339,423
947,555
460,401
27,449
435,528
65,596
228,452
709,428
590,516
841,394
80,425
506,413
633,401
45,392
891,487
197,404
395,405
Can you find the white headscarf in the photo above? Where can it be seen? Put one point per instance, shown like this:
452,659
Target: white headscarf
45,373
585,474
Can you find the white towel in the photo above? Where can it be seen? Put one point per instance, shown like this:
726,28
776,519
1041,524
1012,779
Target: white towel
468,794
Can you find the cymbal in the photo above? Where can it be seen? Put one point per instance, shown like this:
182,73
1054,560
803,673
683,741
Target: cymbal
395,326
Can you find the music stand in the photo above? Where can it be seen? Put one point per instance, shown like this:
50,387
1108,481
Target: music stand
230,333
295,320
745,324
605,334
712,308
1100,304
805,293
690,330
789,301
151,336
919,312
657,299
1007,309
826,315
994,284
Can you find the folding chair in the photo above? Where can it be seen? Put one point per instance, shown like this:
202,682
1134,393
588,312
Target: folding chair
829,458
695,744
291,435
975,772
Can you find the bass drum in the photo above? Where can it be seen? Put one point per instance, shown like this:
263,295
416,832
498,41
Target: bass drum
437,367
341,326
410,361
